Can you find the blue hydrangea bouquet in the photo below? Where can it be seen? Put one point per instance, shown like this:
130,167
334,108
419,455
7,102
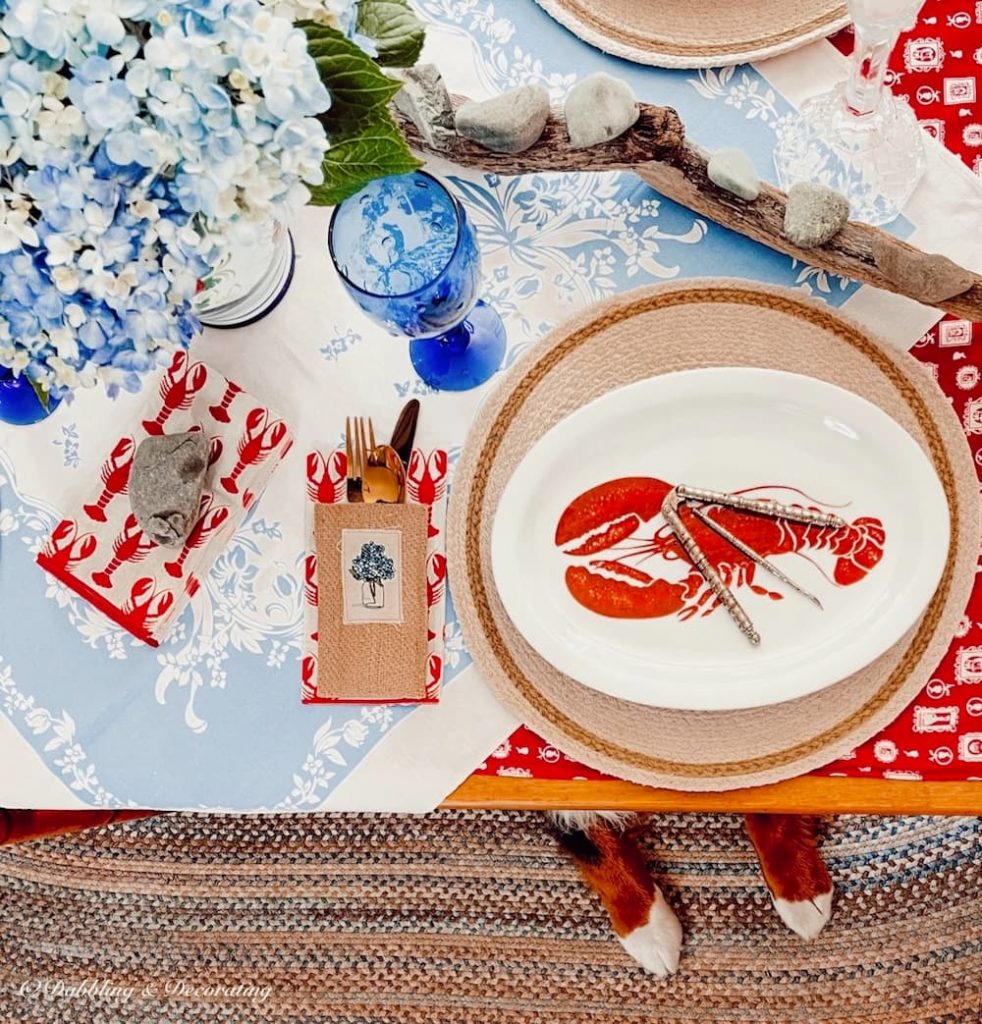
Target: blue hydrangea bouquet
140,139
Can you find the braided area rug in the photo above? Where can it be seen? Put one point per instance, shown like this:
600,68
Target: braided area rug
474,917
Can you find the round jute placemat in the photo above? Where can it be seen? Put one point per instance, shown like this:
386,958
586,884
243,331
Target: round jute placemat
698,33
661,330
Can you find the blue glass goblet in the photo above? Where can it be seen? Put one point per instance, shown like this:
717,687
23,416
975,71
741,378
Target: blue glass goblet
408,256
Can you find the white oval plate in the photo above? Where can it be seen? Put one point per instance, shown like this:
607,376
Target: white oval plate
725,429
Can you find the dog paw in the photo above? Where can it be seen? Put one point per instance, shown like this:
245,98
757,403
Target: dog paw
806,917
657,943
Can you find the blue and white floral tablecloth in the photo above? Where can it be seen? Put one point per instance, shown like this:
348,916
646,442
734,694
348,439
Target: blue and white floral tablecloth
212,719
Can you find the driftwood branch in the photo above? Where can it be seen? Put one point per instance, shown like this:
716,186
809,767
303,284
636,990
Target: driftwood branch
656,150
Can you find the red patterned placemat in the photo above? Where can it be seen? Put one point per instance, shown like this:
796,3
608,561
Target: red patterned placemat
938,67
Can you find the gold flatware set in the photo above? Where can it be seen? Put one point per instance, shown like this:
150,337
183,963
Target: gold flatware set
377,472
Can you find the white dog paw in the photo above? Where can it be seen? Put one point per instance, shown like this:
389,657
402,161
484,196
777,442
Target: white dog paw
806,917
657,943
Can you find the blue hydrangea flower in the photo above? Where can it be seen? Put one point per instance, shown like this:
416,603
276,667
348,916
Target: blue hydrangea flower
134,135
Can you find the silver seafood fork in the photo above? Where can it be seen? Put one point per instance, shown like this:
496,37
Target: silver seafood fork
683,494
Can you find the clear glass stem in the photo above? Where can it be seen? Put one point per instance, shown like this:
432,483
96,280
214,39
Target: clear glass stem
864,89
859,138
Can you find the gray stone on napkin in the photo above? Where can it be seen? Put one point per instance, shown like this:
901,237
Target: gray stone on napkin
925,276
165,484
599,109
424,99
508,123
731,169
814,214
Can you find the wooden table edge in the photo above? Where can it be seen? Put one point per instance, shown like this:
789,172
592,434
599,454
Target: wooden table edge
805,795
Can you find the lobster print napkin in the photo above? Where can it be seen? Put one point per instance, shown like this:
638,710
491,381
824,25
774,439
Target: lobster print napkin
101,552
426,485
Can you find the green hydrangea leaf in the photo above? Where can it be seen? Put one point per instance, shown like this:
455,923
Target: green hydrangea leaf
39,390
354,80
394,28
365,142
375,150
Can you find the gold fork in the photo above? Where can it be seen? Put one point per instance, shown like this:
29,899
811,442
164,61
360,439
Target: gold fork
378,479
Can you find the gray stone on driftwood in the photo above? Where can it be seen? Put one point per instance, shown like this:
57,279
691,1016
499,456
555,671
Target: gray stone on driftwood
731,169
657,151
927,277
599,109
814,214
165,484
509,123
424,99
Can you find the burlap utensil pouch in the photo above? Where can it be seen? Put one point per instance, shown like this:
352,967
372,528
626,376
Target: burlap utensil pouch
371,620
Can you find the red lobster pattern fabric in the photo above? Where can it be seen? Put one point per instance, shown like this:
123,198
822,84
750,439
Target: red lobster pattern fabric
101,553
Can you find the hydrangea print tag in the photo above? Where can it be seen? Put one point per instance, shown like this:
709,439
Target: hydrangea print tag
371,562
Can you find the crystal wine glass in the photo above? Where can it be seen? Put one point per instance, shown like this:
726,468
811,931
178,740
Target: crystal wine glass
408,256
859,138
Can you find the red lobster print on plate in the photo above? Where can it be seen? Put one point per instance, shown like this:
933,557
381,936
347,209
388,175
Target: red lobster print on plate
611,530
594,577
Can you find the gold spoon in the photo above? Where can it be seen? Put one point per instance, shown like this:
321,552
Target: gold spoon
385,475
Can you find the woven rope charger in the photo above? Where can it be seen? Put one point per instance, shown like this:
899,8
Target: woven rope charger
661,330
697,33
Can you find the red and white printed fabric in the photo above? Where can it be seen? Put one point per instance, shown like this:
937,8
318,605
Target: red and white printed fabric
102,553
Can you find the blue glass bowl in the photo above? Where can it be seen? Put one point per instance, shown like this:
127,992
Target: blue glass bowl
408,256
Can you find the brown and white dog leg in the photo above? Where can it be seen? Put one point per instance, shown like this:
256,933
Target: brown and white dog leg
605,849
787,848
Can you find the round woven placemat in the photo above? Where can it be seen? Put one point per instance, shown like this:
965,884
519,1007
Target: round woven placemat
474,918
698,33
660,330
